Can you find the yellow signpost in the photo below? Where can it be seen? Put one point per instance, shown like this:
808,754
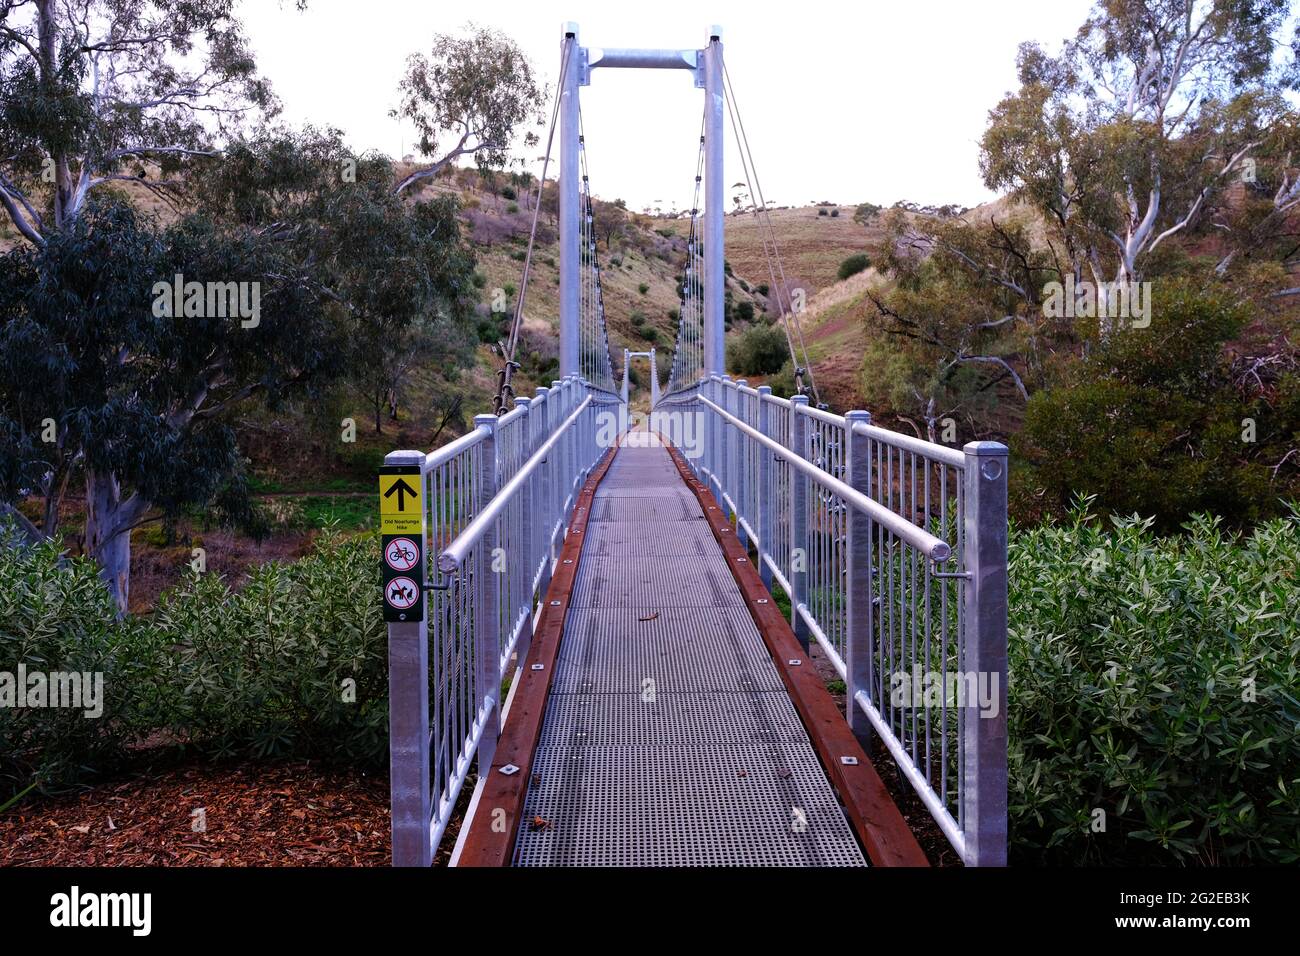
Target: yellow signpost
400,504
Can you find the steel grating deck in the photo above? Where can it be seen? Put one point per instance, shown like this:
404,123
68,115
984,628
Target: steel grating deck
669,739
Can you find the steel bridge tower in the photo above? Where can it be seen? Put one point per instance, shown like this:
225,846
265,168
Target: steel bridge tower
706,65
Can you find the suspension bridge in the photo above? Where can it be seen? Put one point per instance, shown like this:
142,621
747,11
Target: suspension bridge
607,631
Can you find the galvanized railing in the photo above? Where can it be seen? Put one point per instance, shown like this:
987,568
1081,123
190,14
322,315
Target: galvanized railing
497,503
893,553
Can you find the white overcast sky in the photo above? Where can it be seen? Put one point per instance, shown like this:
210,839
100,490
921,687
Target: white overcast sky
843,101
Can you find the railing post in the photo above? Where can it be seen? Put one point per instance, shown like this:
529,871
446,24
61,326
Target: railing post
726,475
524,534
737,463
540,517
984,647
487,602
766,504
408,724
799,520
715,437
859,611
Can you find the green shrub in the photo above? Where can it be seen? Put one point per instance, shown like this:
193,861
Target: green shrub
1133,659
822,212
492,327
262,672
1150,422
745,311
258,672
759,350
512,208
57,617
508,192
835,213
854,264
643,288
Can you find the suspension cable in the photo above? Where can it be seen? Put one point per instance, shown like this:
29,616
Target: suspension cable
687,347
775,264
505,390
599,361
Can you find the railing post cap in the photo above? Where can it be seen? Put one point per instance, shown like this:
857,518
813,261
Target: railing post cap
764,389
742,381
799,399
985,448
858,415
404,457
542,391
489,420
522,400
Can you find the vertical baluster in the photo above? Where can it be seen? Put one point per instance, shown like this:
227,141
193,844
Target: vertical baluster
799,556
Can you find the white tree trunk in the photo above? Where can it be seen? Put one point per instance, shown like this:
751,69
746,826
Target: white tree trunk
108,532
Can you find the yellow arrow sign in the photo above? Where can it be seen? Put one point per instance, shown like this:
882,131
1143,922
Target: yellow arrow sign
401,504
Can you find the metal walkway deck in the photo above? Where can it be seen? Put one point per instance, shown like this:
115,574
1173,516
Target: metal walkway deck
669,738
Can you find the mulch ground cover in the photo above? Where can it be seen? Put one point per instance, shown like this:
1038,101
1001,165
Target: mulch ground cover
243,814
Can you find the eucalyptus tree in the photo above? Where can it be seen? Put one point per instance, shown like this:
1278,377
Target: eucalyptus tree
104,375
94,92
471,97
1135,132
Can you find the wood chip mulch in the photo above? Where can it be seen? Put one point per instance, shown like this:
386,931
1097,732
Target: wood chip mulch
253,814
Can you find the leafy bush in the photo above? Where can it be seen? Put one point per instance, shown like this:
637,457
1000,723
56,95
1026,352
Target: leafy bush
822,212
256,672
854,264
1133,662
508,192
835,213
262,671
1151,422
643,288
759,350
745,311
57,616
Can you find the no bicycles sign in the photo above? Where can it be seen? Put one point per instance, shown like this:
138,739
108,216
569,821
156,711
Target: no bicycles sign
401,522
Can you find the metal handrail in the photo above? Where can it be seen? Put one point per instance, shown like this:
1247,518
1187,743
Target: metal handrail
934,548
941,453
440,456
455,553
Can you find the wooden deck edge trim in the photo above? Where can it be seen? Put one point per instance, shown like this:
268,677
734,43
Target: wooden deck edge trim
885,835
491,839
